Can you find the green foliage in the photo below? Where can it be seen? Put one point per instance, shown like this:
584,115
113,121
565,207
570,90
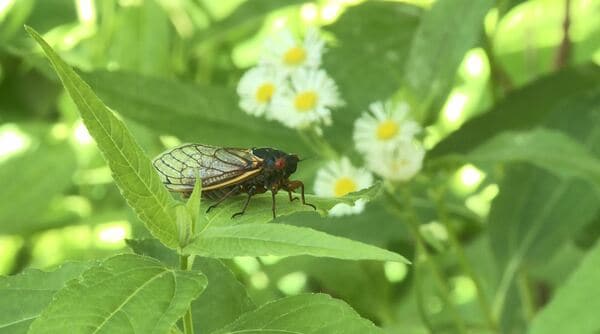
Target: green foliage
32,291
24,212
131,169
302,314
223,300
446,32
501,223
547,149
281,240
144,296
565,313
204,113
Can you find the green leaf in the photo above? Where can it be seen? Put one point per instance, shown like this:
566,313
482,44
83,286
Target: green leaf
574,308
282,240
245,15
548,149
193,206
192,112
366,49
527,219
446,32
124,294
523,109
32,291
308,313
223,300
132,170
26,198
260,207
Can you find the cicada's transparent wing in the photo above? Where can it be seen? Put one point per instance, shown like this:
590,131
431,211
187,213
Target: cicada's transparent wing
217,166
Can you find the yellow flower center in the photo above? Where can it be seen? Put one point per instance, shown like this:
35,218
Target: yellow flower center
306,101
387,129
265,92
343,186
294,56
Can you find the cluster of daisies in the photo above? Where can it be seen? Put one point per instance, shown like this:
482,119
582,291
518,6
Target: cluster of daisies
289,86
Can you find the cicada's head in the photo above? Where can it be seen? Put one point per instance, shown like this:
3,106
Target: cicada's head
277,163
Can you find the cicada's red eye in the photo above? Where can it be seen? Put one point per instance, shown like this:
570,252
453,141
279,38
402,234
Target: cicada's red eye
280,163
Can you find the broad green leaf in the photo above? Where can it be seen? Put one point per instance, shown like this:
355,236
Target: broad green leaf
527,219
368,291
260,208
32,291
192,112
124,294
522,109
574,307
131,169
367,59
548,149
281,240
446,32
143,43
25,199
247,14
224,298
303,314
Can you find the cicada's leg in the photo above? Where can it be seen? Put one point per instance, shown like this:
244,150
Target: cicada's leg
292,198
226,196
273,193
292,185
251,193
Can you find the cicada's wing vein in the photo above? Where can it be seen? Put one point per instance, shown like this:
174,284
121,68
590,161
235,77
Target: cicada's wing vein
217,166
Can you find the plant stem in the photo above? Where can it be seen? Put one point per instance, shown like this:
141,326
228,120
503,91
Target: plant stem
318,144
526,294
188,323
564,50
412,223
484,304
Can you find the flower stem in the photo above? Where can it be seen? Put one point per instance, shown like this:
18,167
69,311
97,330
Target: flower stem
412,223
188,323
318,144
484,304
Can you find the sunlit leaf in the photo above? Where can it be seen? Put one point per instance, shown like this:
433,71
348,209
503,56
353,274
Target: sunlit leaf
309,313
32,291
436,52
367,59
193,112
548,149
132,170
523,109
25,199
124,294
281,240
223,300
260,207
574,307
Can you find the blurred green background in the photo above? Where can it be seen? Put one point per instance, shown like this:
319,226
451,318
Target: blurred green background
170,69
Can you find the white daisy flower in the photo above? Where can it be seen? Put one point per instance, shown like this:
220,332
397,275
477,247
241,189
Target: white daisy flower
339,178
289,54
385,125
257,88
399,163
308,99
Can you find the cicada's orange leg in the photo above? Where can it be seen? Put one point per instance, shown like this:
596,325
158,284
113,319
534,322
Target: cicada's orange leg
293,185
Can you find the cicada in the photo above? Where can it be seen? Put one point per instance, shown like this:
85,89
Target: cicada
226,172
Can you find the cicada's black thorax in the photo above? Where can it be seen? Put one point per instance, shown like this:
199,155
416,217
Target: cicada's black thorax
277,165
